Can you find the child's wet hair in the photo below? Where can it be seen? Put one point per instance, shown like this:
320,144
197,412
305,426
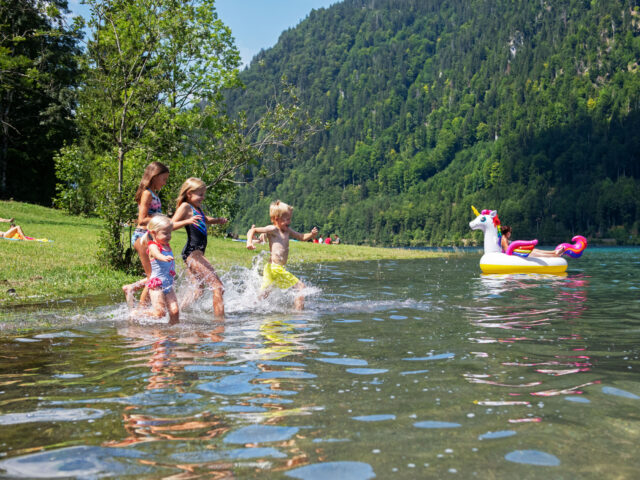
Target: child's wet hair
190,185
159,222
277,209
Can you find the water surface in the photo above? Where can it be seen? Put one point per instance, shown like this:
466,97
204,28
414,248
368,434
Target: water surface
397,369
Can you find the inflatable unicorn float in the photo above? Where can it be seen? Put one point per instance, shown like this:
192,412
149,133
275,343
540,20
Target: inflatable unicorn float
517,258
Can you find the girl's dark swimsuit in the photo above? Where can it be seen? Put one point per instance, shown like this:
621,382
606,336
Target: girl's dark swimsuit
196,235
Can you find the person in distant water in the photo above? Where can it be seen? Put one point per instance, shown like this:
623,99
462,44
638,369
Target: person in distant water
163,269
536,252
189,209
505,240
327,241
15,231
278,236
336,239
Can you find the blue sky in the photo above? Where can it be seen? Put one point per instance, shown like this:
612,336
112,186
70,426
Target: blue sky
256,24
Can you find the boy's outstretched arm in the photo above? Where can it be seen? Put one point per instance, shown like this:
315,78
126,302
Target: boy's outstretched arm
253,230
250,234
304,237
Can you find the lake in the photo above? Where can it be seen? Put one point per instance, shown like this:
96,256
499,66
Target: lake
396,369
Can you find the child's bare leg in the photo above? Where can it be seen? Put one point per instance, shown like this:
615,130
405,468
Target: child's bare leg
172,304
196,291
156,309
141,246
15,231
204,272
536,252
298,303
158,306
130,289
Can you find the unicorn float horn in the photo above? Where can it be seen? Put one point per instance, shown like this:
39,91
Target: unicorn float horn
475,211
573,250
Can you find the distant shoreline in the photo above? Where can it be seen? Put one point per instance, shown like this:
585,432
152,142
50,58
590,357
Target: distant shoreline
67,268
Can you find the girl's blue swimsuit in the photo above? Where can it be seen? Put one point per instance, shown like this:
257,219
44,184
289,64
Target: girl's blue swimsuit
162,273
196,235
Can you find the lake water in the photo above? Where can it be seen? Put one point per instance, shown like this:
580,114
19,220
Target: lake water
397,369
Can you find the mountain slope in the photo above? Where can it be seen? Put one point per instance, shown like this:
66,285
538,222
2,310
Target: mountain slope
531,108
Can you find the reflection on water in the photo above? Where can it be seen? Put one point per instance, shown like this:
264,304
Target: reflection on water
420,369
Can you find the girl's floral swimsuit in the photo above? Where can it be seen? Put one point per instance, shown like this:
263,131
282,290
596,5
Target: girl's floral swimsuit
155,207
162,273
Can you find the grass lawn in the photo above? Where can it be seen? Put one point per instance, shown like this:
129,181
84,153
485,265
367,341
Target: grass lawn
35,272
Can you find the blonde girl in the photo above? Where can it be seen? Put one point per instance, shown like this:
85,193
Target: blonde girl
163,269
201,272
154,178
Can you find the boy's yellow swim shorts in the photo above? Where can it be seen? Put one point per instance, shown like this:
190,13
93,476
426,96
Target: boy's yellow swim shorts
278,275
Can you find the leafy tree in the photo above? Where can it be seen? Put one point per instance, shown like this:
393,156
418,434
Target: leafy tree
38,74
155,75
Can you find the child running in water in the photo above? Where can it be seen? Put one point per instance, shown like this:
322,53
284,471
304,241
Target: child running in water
163,269
278,235
189,210
154,178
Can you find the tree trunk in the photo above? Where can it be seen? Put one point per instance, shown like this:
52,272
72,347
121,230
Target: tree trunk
4,153
120,167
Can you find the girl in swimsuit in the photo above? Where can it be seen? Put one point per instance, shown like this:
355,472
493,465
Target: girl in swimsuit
163,269
201,272
154,178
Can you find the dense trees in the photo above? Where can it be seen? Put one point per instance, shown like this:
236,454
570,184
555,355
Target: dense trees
531,108
38,73
153,76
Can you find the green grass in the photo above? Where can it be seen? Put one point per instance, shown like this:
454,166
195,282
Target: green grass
35,272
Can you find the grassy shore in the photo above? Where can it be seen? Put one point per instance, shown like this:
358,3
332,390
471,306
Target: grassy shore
35,272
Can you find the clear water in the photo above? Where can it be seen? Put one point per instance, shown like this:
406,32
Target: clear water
397,369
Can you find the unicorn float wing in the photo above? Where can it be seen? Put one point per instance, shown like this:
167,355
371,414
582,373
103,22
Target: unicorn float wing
517,258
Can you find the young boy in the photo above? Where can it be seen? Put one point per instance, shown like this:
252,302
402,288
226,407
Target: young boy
278,235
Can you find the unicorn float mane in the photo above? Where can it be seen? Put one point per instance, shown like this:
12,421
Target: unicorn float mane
489,222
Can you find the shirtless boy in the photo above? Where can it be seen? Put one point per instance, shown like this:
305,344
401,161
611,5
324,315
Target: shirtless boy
278,235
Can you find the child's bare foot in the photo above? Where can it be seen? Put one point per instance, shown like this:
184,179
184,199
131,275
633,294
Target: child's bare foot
128,295
559,250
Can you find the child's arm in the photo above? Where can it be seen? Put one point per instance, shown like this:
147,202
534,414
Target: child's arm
154,252
7,220
215,220
143,208
304,237
183,217
253,230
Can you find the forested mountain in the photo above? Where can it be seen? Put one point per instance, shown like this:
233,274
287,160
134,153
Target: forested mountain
528,107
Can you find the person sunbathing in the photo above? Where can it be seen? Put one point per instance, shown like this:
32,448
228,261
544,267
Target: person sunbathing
14,232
